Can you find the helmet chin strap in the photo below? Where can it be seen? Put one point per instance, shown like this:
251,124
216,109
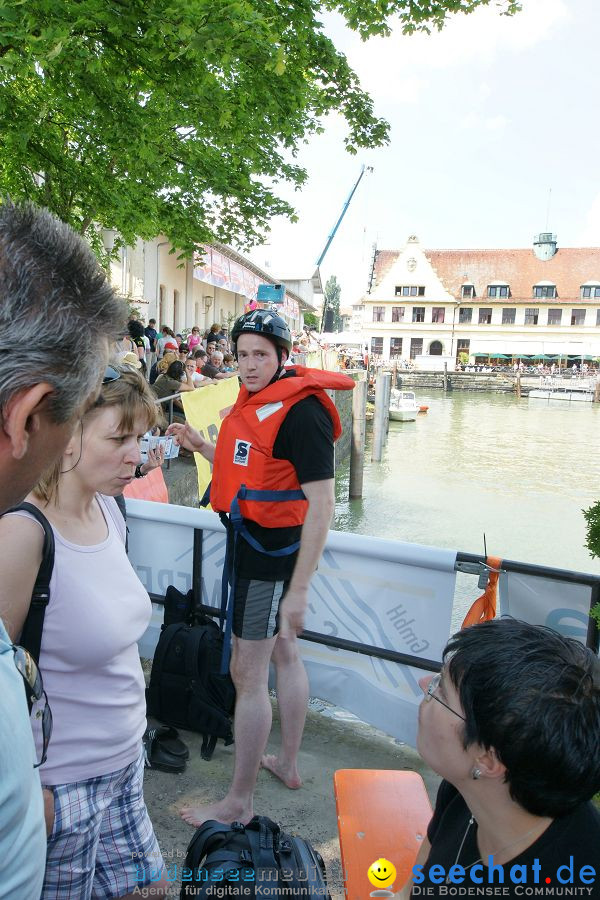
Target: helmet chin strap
281,368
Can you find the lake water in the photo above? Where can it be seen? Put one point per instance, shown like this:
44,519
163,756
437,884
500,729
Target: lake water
519,471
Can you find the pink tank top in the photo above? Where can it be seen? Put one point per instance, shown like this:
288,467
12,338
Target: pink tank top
89,659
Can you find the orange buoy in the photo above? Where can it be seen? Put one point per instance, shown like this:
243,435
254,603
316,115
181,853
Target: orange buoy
423,409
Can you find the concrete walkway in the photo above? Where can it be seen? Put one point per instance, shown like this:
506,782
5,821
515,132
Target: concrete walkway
328,744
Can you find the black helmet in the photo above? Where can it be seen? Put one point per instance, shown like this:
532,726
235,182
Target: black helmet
265,323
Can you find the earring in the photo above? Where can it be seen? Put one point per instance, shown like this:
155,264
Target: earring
475,773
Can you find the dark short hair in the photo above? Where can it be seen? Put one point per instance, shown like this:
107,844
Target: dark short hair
534,696
51,288
135,328
200,354
183,348
176,369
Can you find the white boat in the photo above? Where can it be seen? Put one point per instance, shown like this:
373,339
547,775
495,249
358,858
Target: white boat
403,406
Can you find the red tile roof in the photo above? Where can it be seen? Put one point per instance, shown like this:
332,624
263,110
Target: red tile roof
568,269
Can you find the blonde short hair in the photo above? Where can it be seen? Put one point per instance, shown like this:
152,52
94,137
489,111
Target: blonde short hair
132,394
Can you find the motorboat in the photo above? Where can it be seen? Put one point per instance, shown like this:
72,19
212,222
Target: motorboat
403,406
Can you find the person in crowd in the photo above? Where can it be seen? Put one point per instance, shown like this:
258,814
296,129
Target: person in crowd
198,379
212,335
223,345
161,365
47,274
289,450
175,380
194,339
166,341
513,730
152,334
136,333
183,351
229,362
207,368
98,827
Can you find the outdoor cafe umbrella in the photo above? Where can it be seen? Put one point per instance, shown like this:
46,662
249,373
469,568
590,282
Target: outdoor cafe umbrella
498,356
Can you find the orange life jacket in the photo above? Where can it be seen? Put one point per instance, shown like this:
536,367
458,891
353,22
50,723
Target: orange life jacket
244,451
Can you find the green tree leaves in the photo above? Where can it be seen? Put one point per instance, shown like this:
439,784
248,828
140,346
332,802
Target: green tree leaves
179,118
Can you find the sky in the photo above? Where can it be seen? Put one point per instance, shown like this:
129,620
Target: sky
495,136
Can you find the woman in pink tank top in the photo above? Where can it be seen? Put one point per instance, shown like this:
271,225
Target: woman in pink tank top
97,822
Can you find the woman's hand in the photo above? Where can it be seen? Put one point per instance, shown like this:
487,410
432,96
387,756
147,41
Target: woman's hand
191,439
156,458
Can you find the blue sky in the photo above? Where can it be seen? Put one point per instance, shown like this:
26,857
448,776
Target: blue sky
486,117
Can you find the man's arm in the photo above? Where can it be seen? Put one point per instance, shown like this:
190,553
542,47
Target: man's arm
321,505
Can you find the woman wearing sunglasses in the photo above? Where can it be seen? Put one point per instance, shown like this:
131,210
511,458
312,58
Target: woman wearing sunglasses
100,839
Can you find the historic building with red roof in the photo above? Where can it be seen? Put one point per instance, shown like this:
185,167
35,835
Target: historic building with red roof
487,305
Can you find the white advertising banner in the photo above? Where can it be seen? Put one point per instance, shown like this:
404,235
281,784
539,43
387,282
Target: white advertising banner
385,594
561,605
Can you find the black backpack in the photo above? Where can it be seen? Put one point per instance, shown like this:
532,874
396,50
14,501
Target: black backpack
234,859
186,688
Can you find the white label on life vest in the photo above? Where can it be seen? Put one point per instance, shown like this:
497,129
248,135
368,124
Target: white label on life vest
263,412
241,452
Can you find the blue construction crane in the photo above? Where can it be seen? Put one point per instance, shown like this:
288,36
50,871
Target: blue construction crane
343,213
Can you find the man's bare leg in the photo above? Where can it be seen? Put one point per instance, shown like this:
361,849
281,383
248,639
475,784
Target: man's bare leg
252,724
292,698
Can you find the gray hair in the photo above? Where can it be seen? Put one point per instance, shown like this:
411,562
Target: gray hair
57,309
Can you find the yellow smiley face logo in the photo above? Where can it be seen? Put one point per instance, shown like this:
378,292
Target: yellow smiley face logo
381,873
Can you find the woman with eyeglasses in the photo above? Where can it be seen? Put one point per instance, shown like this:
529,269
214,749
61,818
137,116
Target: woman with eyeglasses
512,724
100,839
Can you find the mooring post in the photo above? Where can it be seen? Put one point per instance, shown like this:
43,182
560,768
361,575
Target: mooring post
445,377
382,414
597,390
518,385
357,445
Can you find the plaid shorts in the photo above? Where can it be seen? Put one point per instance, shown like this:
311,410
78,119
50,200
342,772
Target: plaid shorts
102,843
256,608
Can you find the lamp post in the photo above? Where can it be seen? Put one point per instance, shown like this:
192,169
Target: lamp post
107,236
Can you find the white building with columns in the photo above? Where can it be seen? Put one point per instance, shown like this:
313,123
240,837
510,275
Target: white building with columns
213,287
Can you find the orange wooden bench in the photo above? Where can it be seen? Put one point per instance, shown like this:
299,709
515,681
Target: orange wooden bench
381,813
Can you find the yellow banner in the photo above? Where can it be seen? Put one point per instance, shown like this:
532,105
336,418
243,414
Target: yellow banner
205,409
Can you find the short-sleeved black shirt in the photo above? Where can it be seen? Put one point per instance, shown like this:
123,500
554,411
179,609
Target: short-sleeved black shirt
305,438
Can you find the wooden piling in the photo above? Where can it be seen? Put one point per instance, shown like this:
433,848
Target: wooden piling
597,390
518,385
445,377
382,414
357,445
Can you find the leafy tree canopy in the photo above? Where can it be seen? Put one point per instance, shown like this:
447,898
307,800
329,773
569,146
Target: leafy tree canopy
155,116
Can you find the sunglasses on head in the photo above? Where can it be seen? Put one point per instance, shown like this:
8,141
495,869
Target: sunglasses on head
34,686
110,374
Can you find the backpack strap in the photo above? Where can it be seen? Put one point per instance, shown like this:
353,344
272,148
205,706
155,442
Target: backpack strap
259,832
31,635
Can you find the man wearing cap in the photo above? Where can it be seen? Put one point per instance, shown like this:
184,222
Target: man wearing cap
277,441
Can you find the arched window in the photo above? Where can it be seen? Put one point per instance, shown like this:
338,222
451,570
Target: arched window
435,348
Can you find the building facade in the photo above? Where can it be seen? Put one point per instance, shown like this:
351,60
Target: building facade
483,305
216,286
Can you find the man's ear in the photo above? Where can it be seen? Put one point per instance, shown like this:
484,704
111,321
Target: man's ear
284,350
21,416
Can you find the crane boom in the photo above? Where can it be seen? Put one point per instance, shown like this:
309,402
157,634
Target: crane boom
363,169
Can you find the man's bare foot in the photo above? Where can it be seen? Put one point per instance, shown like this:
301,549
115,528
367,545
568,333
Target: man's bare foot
290,778
223,812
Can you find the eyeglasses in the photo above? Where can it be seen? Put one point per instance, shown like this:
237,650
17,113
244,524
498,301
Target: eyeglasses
27,668
110,374
430,693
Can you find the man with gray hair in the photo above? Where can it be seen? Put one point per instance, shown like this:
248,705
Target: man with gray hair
52,292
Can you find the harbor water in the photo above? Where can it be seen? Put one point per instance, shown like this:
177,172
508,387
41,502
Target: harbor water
518,471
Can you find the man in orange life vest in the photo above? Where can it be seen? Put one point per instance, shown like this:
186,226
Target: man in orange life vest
273,472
